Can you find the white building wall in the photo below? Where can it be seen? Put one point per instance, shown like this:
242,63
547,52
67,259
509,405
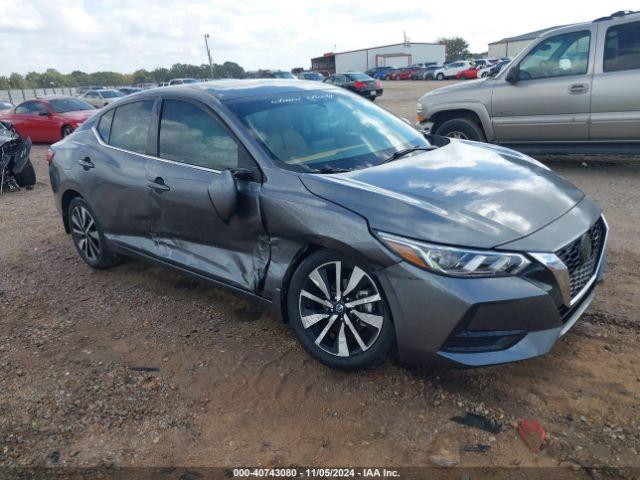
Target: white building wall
404,55
507,49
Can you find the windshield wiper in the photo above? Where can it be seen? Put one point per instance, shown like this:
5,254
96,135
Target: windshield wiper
406,151
332,170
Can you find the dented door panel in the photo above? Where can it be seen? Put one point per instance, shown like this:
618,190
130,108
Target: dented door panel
187,231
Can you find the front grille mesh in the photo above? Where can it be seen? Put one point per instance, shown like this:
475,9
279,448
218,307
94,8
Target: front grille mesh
581,270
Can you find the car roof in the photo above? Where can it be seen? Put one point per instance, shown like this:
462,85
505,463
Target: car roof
236,88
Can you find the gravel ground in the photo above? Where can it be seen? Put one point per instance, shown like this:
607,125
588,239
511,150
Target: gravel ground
140,366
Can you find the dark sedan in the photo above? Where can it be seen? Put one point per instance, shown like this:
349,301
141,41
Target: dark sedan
359,231
357,82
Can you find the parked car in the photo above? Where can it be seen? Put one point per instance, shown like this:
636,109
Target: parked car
357,82
16,169
101,98
378,72
129,90
468,74
450,70
398,74
493,69
429,72
360,232
48,119
422,64
84,89
271,74
574,89
182,81
314,76
6,106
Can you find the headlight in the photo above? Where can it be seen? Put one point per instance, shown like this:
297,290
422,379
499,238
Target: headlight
455,262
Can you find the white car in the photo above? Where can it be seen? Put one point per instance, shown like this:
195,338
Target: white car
100,98
451,69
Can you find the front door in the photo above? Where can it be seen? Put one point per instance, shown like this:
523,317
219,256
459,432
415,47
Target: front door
550,99
193,147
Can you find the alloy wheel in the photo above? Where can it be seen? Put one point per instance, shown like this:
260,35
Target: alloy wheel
341,309
457,134
85,233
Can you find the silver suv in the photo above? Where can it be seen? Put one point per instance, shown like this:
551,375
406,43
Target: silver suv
574,89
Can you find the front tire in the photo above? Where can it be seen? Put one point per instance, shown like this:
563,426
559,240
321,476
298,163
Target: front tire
66,131
440,76
461,128
88,236
27,176
338,313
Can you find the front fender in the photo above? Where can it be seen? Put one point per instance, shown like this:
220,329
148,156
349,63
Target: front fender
476,107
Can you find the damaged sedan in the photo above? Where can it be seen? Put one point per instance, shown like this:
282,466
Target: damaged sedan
365,235
16,169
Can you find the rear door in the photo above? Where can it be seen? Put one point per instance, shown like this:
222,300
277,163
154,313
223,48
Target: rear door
112,172
550,101
615,100
194,146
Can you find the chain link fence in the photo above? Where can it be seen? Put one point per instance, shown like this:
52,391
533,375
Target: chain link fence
16,96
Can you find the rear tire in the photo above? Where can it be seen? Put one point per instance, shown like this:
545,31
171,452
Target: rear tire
88,236
66,131
461,128
27,176
329,327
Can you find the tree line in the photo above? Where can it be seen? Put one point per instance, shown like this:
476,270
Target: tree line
53,78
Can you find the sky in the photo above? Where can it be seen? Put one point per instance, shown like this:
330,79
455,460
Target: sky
122,36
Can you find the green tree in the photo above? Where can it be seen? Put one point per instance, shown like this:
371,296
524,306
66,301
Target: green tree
455,48
17,81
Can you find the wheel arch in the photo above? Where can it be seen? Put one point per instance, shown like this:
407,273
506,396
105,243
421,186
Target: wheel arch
476,113
65,200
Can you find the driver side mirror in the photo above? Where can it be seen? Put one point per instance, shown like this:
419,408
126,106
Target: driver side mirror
223,191
512,75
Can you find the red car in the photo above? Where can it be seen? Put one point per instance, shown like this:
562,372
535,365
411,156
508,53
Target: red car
469,73
49,119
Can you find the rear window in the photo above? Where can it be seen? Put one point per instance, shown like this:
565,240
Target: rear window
622,48
130,126
359,76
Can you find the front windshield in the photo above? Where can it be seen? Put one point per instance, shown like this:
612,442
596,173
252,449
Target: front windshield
283,75
319,130
64,105
111,94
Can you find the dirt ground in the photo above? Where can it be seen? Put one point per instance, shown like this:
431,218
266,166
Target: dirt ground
140,366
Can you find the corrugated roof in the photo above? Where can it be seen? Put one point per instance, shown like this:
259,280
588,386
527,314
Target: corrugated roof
526,36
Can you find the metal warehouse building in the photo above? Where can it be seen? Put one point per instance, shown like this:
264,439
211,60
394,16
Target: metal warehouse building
398,55
511,46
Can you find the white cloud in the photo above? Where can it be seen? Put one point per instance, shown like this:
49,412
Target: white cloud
124,35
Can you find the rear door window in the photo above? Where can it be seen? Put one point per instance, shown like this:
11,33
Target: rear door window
130,126
190,135
31,108
104,126
622,48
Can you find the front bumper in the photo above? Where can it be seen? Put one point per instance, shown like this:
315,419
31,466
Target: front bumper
483,321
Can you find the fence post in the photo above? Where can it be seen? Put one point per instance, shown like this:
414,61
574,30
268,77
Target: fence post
10,96
23,97
35,95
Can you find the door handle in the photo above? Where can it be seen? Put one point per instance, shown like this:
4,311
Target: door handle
158,185
578,88
86,163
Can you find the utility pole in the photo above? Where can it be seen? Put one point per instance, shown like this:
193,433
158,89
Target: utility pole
206,44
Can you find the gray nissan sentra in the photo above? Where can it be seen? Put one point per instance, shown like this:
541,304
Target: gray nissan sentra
362,233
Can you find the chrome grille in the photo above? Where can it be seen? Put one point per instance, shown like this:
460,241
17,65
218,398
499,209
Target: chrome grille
583,255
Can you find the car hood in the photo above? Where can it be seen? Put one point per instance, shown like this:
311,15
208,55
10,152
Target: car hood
78,115
464,193
468,85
